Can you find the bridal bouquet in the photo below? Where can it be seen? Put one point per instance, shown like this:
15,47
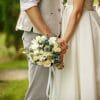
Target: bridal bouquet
45,51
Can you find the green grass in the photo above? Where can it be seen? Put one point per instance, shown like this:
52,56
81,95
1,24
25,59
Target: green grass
14,64
6,61
2,38
14,90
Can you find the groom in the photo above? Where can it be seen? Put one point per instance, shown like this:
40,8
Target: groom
38,17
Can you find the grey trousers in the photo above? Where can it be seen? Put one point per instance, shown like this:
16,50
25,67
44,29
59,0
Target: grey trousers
37,75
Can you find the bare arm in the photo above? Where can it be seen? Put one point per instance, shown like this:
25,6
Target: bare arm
37,19
74,19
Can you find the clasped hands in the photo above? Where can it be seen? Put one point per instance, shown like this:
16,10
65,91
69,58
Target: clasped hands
62,42
64,47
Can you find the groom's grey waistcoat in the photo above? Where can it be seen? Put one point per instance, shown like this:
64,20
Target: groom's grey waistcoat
51,11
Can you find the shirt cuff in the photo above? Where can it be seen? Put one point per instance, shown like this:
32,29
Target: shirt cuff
27,5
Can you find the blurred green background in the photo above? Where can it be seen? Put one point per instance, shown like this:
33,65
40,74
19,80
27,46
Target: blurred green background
11,57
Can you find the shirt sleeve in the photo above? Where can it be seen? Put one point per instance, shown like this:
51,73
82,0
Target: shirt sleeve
26,4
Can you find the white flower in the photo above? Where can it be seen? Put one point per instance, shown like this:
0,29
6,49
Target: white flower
43,38
34,46
39,63
35,58
41,52
57,49
40,58
38,38
52,40
36,52
47,63
45,54
41,46
48,54
52,61
56,44
33,41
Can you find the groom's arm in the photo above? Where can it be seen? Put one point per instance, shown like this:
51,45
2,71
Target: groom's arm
34,13
37,19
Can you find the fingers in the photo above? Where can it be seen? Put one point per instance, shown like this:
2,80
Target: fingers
63,45
64,51
64,48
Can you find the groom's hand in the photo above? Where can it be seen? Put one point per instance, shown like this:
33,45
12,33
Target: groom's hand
63,44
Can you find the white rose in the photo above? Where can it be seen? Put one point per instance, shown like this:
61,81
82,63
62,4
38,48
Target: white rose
35,58
40,58
48,54
33,41
43,38
57,49
40,41
39,63
56,44
41,52
34,46
45,54
36,52
41,46
52,40
47,63
38,38
52,60
44,57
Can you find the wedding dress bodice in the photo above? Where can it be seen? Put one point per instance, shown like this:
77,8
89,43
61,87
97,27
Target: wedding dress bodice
88,4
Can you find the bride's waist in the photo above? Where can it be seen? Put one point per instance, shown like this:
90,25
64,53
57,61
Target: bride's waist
86,8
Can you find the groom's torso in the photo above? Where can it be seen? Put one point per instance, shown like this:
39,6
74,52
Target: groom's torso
51,11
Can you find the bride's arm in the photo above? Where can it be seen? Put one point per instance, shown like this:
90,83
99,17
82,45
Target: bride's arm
74,19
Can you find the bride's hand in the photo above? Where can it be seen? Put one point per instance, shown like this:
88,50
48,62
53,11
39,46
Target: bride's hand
63,44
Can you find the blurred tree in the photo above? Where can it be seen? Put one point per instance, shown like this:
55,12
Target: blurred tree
13,38
65,1
1,16
99,2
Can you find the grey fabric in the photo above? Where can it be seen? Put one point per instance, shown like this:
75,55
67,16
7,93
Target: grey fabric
38,76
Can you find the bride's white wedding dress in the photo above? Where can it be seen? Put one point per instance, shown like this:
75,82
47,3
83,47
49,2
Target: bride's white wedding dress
78,79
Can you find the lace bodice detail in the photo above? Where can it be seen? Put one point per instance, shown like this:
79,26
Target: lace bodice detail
88,4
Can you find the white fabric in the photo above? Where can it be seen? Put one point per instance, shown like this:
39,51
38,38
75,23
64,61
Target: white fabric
79,79
23,22
98,10
26,4
50,81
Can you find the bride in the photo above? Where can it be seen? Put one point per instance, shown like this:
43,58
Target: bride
81,31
